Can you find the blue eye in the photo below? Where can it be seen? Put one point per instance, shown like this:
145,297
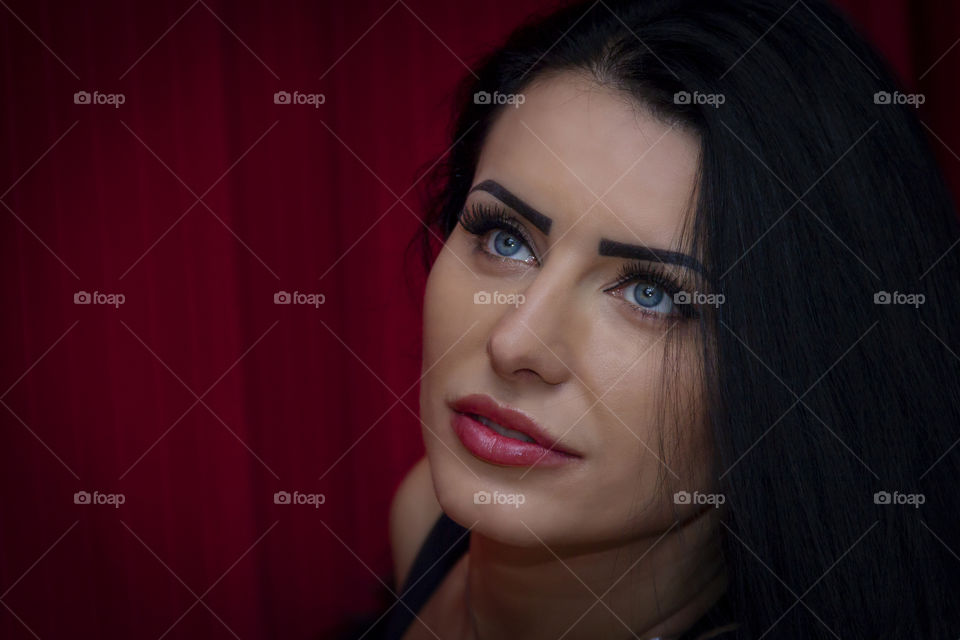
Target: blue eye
508,245
498,234
648,296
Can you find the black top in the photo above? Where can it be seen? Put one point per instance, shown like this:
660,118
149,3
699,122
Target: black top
443,547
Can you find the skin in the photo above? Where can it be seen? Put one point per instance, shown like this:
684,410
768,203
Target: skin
589,368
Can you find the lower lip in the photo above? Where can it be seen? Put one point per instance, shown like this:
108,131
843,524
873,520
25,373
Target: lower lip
488,445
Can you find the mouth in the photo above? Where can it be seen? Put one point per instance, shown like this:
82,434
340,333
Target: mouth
509,433
503,435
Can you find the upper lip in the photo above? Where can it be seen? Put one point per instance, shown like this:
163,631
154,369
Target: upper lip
484,405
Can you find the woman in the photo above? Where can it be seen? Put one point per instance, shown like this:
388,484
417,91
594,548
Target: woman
690,362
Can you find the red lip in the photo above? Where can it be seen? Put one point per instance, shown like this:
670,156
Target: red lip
484,405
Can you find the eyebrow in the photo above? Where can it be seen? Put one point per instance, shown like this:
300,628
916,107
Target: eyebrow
500,192
637,252
607,247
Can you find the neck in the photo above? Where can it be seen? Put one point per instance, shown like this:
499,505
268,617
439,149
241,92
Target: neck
654,586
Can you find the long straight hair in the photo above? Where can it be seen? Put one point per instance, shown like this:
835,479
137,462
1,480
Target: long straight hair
832,369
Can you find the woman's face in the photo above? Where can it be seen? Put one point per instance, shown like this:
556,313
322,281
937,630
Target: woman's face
583,351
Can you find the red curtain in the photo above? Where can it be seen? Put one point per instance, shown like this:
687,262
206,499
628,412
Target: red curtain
168,170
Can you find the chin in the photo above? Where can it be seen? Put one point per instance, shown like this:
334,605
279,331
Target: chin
524,522
504,524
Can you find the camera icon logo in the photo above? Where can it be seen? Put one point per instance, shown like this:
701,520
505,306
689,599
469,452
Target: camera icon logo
881,97
481,497
281,297
81,497
281,97
482,97
681,97
482,297
81,97
81,297
681,497
881,497
681,297
281,497
881,297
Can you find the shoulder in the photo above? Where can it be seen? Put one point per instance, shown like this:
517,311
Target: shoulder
413,512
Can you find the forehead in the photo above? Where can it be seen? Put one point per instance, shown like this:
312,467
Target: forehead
573,141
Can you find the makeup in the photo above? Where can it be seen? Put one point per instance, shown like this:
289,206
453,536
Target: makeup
504,436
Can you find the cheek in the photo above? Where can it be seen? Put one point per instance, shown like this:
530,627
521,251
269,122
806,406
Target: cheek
450,339
650,424
448,309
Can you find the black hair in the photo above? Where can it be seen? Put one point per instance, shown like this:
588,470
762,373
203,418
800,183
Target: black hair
833,386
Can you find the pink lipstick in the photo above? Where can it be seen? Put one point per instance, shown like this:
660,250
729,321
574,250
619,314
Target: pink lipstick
505,436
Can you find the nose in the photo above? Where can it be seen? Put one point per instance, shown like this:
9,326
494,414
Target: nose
533,340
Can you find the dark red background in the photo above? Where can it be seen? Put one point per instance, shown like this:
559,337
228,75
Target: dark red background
323,400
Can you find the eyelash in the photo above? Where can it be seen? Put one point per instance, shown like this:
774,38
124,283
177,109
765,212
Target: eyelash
480,219
653,274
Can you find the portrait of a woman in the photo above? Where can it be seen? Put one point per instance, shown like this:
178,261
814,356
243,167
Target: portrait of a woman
684,365
503,320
